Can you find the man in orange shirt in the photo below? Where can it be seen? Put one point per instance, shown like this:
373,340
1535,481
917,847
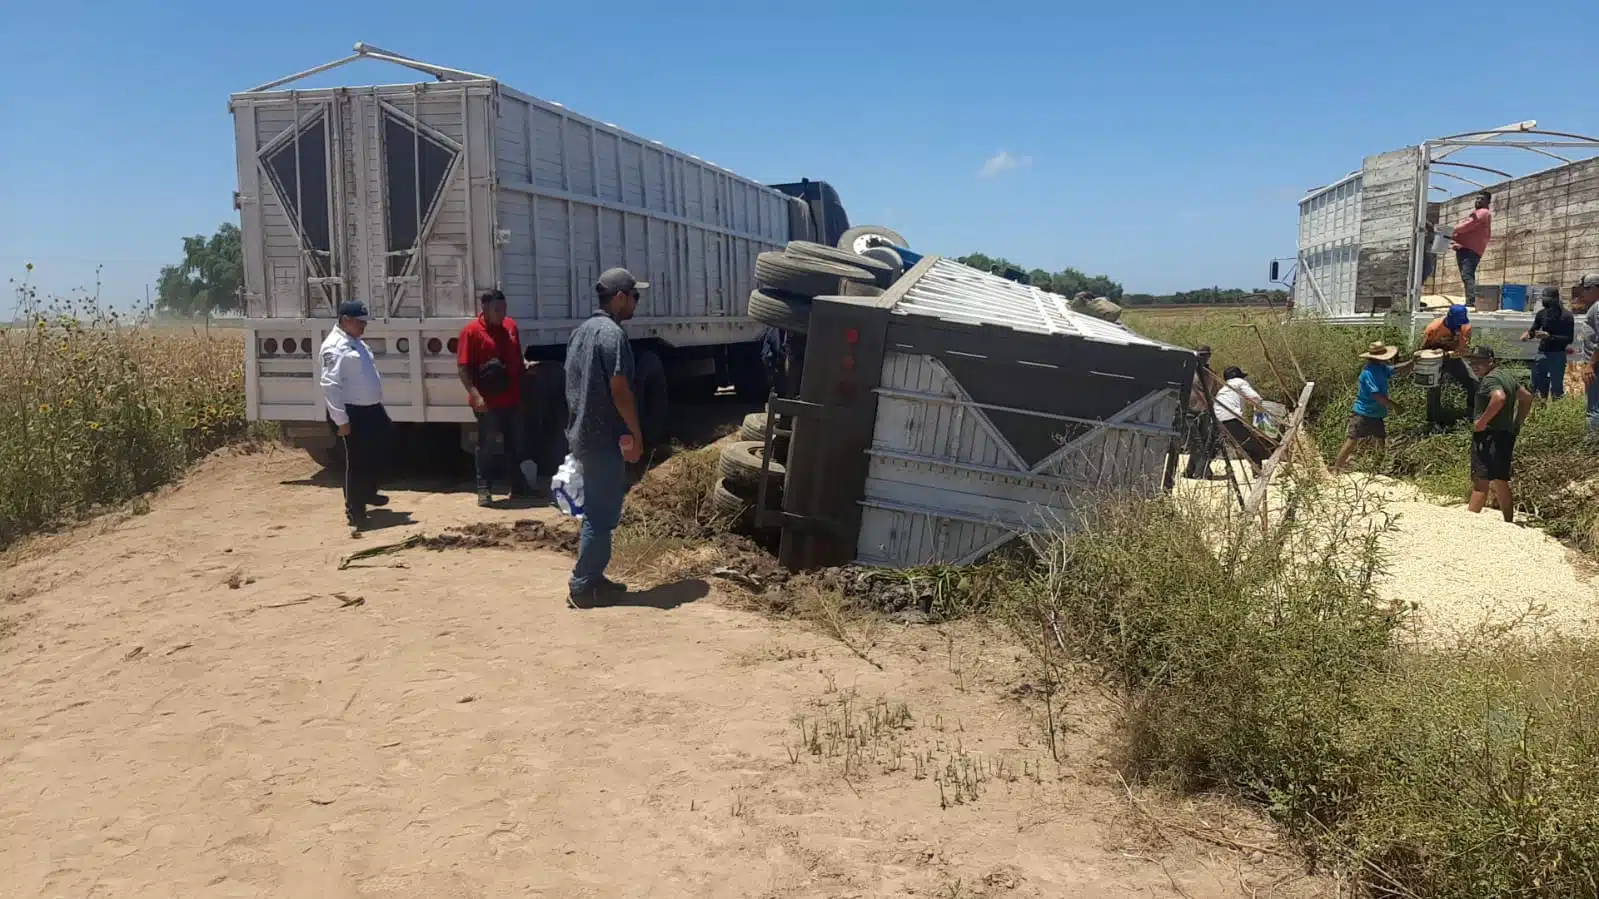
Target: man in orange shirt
1471,241
489,362
1452,334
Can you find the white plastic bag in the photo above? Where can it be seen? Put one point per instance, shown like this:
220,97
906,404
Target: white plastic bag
567,487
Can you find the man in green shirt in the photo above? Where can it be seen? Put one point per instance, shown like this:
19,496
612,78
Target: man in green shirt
1501,407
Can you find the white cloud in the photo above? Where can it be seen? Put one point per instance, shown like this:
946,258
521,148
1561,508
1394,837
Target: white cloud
1002,162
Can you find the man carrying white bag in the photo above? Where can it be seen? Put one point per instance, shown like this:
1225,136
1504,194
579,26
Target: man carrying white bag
602,431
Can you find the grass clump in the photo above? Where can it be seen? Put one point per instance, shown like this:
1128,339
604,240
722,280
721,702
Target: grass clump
97,408
1258,660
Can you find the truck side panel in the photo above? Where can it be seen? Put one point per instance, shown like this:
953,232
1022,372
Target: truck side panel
576,197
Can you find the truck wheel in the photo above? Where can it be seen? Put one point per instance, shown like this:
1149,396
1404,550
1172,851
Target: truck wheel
788,311
888,257
883,273
330,457
805,277
740,466
859,240
654,399
730,507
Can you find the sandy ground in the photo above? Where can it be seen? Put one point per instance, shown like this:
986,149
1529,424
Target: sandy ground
1466,573
199,703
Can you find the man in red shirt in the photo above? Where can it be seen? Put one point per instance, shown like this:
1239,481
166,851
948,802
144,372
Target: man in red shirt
1471,241
489,361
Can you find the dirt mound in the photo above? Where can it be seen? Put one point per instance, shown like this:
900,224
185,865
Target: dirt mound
522,534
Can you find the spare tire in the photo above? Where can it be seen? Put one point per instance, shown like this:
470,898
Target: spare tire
788,311
740,465
858,240
806,277
883,273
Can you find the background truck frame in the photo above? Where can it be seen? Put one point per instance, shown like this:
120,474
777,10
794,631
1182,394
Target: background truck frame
415,197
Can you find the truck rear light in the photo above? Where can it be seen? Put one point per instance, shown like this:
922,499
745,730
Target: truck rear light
403,344
849,363
433,345
288,344
269,346
852,336
451,346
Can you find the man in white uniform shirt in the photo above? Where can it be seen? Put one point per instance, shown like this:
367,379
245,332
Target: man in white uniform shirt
355,403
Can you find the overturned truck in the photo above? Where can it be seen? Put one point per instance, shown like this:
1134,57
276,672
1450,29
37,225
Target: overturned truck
944,415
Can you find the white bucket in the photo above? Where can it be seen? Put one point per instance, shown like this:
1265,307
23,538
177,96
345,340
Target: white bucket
1429,367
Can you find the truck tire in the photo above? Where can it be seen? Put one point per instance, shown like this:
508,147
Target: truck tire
883,273
858,240
654,399
806,277
740,466
788,311
888,257
329,457
727,505
754,427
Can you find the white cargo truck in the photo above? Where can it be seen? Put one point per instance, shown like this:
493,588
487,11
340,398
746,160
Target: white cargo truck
413,198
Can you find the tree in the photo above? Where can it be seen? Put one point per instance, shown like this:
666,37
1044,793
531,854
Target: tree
207,280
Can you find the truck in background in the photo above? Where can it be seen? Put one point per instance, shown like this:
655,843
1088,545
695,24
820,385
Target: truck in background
413,198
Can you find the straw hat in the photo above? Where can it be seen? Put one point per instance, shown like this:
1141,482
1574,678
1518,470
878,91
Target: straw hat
1380,352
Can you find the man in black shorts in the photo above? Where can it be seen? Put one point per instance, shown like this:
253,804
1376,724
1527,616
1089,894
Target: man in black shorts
1501,408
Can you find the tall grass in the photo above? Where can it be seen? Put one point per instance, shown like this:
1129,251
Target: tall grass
1258,660
96,408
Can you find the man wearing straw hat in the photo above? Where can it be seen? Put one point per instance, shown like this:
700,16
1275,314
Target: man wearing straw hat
1368,421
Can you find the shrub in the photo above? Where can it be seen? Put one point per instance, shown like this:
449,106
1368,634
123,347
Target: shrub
1257,660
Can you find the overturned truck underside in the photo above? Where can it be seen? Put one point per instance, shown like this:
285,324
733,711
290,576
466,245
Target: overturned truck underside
958,410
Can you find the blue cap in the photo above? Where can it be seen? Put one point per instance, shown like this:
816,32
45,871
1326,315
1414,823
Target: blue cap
353,309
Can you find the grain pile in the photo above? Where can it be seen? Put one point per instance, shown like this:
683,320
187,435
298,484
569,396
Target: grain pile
1464,573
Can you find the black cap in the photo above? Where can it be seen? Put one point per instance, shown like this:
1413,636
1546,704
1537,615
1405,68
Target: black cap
1548,294
617,280
353,309
1482,352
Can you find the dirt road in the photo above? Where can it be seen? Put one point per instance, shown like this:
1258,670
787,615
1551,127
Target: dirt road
198,703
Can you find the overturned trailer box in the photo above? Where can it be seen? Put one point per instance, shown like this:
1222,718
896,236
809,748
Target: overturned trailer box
959,410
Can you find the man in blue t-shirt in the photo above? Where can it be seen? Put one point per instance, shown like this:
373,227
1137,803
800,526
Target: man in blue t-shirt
1369,420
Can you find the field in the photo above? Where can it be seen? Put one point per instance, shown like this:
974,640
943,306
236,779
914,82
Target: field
1089,712
97,409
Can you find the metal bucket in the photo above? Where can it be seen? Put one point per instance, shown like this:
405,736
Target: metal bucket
1429,368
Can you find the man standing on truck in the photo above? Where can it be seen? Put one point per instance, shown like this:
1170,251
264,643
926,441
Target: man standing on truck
354,395
1471,241
602,428
489,362
1554,328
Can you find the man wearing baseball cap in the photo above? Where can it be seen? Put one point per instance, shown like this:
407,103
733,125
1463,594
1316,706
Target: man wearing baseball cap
1502,404
354,395
1585,299
602,428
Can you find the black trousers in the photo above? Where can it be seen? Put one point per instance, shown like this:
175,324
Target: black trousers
363,455
1203,444
508,422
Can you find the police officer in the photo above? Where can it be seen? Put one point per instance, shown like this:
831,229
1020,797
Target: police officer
355,403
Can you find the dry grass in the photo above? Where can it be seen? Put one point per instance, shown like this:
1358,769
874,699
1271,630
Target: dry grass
96,409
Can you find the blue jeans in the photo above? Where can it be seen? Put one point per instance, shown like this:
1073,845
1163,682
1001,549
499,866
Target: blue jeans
604,487
1467,261
1593,408
1549,374
509,423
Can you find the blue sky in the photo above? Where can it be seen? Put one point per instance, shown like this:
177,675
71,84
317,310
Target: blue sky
1162,143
